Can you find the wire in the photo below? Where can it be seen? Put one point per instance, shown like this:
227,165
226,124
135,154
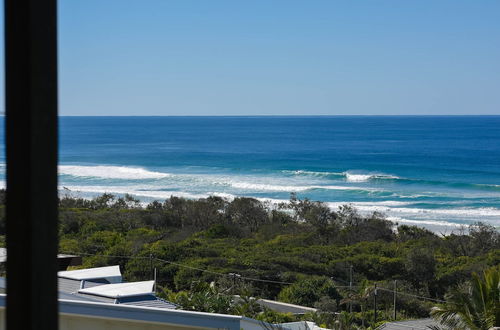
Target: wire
339,280
245,277
411,295
182,265
105,255
222,274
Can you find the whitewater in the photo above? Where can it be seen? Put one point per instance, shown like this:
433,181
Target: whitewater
436,172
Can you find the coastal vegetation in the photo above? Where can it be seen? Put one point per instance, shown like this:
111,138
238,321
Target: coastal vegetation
473,305
206,251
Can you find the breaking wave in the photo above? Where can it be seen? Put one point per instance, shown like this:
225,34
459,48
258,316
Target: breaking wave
289,188
111,172
349,176
352,177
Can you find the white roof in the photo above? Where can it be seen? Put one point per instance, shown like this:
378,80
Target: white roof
119,290
92,273
3,254
301,325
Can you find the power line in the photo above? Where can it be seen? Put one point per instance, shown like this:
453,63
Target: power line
339,280
245,277
411,295
182,265
222,274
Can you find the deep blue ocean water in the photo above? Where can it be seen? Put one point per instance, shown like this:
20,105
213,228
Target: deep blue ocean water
438,172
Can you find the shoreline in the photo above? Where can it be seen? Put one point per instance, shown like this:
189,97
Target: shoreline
436,226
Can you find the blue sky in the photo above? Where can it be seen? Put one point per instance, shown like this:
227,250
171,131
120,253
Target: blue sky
183,57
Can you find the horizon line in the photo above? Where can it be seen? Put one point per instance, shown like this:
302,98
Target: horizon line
343,115
247,116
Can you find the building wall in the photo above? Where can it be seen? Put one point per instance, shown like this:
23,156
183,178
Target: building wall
74,322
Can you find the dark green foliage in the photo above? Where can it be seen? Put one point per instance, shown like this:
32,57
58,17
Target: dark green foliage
203,297
420,266
474,305
301,242
309,291
407,233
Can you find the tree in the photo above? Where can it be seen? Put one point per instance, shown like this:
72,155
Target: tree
309,291
407,233
345,321
484,238
247,212
473,306
203,298
102,202
314,213
360,297
421,266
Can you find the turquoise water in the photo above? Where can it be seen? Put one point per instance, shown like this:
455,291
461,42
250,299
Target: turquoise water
438,172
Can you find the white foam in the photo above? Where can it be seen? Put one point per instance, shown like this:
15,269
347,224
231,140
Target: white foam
357,177
350,176
456,212
111,172
313,173
222,195
353,177
429,222
139,191
289,188
390,207
383,203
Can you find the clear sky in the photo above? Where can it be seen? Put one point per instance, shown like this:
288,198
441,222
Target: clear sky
264,57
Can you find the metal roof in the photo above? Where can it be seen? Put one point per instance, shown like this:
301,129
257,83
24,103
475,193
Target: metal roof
147,315
421,324
279,306
282,307
119,290
72,286
68,285
147,301
112,273
69,296
68,290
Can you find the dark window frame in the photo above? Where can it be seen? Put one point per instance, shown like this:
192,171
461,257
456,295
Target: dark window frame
31,156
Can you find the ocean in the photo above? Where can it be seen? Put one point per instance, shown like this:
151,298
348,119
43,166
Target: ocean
439,172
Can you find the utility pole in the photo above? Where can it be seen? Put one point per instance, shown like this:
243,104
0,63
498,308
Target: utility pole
234,276
350,288
375,304
151,263
154,288
395,293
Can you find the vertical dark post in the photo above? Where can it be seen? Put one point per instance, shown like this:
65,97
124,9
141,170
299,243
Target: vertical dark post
375,305
350,288
395,294
154,287
151,265
31,144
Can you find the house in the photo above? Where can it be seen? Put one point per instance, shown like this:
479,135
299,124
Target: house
97,298
63,260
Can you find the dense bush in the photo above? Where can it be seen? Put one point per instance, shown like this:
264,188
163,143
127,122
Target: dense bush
300,242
